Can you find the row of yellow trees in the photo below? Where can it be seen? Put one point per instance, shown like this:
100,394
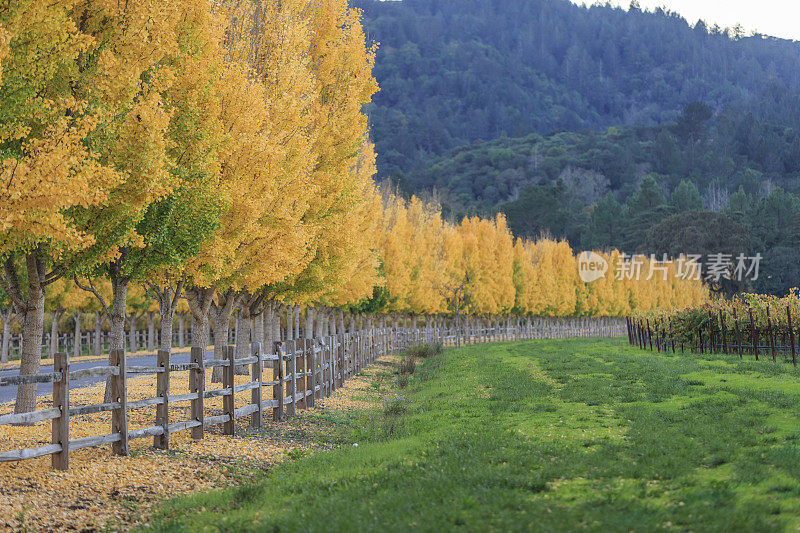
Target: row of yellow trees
478,267
219,153
213,150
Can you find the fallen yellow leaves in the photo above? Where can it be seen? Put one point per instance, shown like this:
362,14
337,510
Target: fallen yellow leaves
101,489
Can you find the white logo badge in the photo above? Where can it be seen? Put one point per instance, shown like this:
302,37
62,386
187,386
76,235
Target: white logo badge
591,266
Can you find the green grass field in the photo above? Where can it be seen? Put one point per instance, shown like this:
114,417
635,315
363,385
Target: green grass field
544,435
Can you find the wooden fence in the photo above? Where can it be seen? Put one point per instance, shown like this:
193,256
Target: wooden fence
716,336
301,372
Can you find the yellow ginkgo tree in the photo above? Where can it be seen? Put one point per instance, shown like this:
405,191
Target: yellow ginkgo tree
47,164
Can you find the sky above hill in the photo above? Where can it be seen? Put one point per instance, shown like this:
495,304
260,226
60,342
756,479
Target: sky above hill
771,17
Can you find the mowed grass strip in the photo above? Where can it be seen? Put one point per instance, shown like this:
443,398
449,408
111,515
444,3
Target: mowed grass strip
544,435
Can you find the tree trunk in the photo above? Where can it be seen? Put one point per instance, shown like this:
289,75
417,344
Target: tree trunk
151,332
243,338
98,333
200,300
32,320
134,346
55,316
296,322
76,347
166,330
32,331
181,331
321,322
258,330
289,323
200,331
276,324
309,329
222,317
5,347
269,328
119,290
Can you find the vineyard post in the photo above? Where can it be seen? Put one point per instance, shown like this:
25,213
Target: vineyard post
628,324
700,337
659,338
724,336
672,335
119,394
753,333
60,460
162,391
657,335
649,335
644,335
771,334
639,334
791,334
738,333
712,338
197,385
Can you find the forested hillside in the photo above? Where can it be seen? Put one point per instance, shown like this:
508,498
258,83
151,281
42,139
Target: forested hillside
605,126
455,71
698,185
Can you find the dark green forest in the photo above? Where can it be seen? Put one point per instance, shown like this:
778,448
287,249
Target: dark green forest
456,71
609,127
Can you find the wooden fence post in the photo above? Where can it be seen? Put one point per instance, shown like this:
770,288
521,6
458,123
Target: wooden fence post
228,401
337,359
724,335
331,364
256,393
60,460
162,409
300,368
278,387
119,394
326,366
197,384
291,384
311,373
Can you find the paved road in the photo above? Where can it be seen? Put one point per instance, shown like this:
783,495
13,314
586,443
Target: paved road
9,393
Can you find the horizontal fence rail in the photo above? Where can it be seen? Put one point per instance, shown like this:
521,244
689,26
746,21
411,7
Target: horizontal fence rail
297,373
